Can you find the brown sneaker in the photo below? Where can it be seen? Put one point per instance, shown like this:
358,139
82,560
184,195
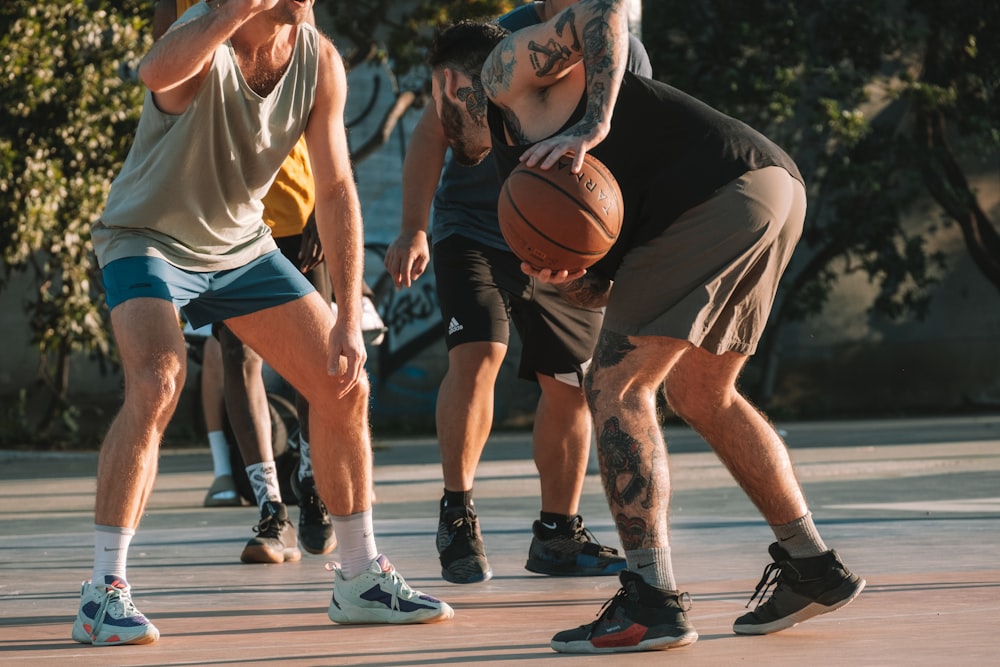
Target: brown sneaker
275,541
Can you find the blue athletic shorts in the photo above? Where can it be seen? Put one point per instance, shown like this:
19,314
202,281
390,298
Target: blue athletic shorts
211,296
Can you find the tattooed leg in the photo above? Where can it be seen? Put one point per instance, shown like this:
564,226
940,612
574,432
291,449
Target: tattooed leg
621,389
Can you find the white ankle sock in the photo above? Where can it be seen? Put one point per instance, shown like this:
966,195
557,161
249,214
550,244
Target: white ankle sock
220,453
356,537
264,481
110,552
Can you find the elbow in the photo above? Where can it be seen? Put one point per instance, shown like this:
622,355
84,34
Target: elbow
147,74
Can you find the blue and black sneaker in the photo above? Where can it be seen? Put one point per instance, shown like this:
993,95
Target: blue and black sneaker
570,551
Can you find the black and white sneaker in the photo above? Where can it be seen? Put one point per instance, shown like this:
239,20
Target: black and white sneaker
803,588
315,525
460,546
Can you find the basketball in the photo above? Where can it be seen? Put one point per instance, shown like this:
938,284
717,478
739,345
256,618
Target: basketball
555,219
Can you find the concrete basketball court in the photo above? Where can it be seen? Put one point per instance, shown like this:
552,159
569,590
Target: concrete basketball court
912,505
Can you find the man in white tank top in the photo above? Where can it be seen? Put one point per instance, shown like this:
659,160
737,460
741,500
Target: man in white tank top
232,86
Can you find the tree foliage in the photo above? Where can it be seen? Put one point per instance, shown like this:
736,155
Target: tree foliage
71,104
883,105
399,32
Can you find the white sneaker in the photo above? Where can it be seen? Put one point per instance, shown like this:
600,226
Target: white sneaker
108,617
372,326
380,595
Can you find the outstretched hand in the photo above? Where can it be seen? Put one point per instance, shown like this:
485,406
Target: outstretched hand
407,258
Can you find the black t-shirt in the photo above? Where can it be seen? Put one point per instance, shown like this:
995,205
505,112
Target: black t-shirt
668,151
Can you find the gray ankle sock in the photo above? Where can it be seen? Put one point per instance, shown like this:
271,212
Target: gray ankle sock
800,538
654,566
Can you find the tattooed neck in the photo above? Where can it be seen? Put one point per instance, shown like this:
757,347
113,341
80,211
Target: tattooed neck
474,97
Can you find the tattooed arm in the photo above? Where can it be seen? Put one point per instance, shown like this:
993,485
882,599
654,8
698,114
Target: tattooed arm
532,72
590,291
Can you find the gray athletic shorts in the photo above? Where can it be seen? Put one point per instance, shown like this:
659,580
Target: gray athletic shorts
710,278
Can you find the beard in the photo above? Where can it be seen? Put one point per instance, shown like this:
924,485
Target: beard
455,125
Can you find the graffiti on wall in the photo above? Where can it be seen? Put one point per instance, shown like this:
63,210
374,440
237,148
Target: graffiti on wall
411,316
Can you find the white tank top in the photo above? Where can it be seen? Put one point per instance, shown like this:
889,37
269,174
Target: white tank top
190,189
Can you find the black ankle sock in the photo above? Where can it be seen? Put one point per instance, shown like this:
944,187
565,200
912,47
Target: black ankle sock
555,523
453,499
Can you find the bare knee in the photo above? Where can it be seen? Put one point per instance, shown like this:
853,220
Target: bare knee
475,366
698,400
156,387
609,393
325,402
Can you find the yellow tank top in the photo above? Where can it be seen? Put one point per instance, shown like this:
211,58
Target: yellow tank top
290,201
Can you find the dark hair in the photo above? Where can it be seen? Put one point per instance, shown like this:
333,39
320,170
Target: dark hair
465,45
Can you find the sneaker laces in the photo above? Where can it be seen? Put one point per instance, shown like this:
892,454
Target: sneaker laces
113,597
607,608
461,524
268,526
683,601
772,572
583,535
400,589
312,507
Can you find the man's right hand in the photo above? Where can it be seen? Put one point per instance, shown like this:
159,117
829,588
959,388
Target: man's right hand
407,258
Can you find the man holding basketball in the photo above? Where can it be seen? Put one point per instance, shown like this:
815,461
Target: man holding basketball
481,289
232,87
713,210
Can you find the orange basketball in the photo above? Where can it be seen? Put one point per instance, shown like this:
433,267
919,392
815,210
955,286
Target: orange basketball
555,219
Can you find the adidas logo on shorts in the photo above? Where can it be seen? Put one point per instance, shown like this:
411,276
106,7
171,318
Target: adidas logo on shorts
454,327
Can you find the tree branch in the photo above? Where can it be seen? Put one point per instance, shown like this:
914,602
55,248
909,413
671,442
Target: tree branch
403,101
